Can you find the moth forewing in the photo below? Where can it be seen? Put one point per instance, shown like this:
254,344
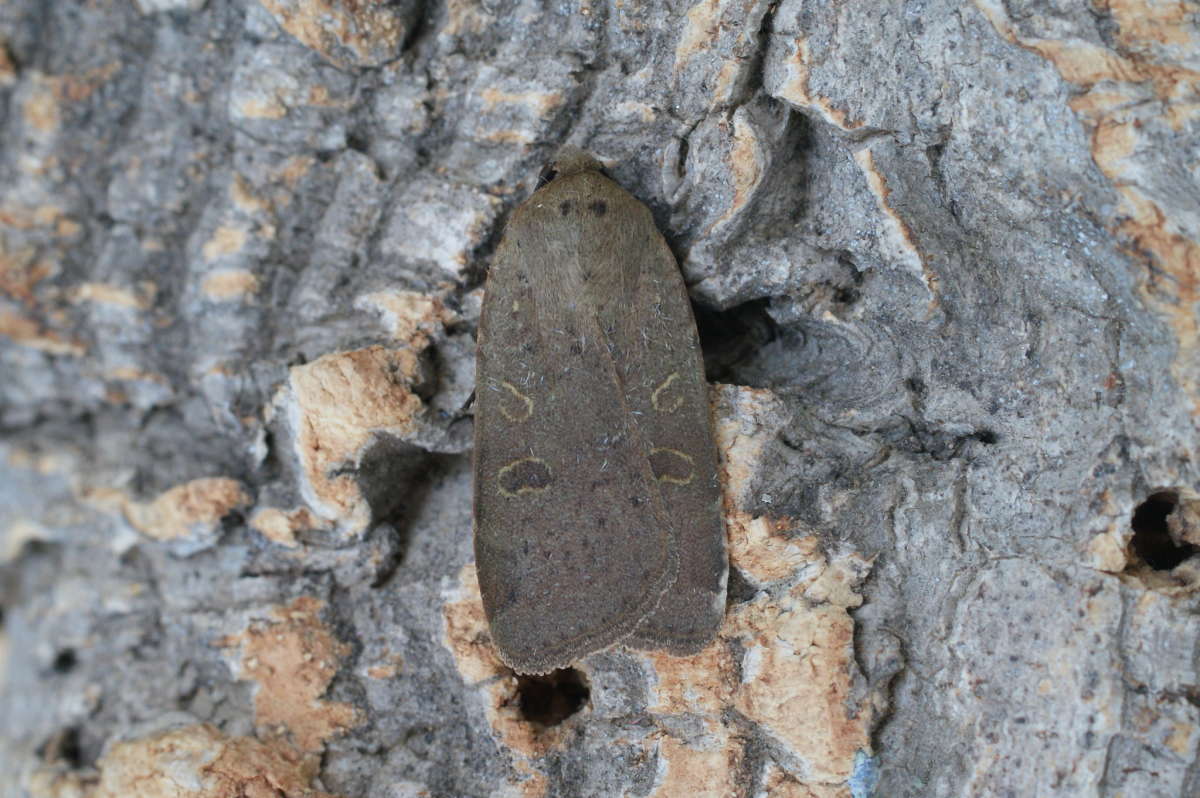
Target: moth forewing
597,512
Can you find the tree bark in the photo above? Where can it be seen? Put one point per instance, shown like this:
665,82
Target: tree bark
943,257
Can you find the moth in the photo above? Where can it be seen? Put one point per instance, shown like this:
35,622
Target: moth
597,497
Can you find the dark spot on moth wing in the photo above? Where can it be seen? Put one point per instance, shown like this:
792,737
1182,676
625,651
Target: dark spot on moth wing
564,207
598,207
576,348
527,475
672,466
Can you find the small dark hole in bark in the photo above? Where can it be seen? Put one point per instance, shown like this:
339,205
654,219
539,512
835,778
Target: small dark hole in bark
730,337
66,661
844,295
986,436
549,699
1151,540
64,748
740,589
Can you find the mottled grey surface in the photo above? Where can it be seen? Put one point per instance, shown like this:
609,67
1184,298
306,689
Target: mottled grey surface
956,238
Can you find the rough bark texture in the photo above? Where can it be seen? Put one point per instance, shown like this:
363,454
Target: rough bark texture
944,257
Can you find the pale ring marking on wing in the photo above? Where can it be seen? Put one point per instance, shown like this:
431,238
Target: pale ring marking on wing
672,403
675,453
525,400
537,464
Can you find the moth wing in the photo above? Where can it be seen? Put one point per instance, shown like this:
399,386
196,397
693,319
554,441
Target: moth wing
573,543
648,320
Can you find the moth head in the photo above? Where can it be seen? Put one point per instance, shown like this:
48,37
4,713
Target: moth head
569,160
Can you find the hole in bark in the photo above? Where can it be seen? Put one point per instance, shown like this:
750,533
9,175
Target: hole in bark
1152,541
65,661
549,699
729,337
740,589
64,748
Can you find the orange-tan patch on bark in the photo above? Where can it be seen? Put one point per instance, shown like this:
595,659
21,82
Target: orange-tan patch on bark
115,295
761,550
897,236
41,110
319,97
370,31
293,657
758,546
1182,739
1166,23
28,332
796,682
1181,582
796,666
465,628
778,783
794,89
679,690
229,284
16,535
81,86
746,167
281,527
23,217
1153,40
225,241
409,316
715,35
177,512
296,168
465,634
700,30
262,108
542,103
511,136
1106,552
199,761
387,670
20,272
697,771
244,198
338,404
8,67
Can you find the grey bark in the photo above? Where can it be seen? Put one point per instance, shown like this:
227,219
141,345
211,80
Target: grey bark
950,246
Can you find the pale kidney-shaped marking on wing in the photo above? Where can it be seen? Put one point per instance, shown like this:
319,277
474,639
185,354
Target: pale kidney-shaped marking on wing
672,465
666,397
514,405
524,476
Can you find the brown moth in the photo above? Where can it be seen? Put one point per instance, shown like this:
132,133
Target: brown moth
597,500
